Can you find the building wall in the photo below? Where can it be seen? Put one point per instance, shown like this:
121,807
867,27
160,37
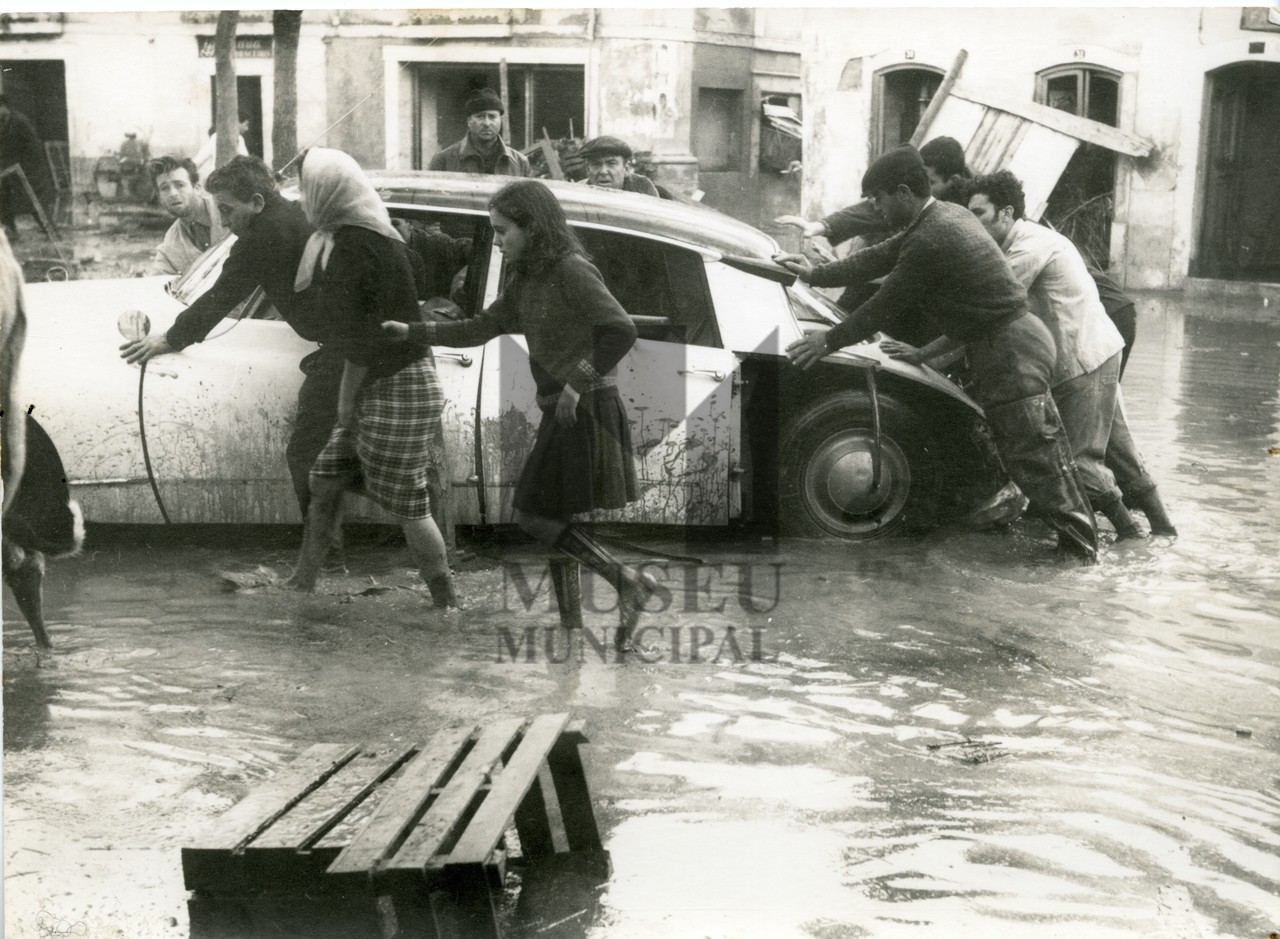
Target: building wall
1162,53
144,71
641,70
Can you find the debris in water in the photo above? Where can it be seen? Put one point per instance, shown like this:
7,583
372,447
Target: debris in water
971,751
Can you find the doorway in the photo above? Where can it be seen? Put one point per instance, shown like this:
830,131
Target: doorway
1240,202
542,99
249,93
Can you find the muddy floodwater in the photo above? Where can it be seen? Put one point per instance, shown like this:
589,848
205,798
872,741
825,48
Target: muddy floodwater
953,735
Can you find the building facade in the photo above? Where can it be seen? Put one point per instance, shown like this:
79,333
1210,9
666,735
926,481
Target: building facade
683,86
1202,83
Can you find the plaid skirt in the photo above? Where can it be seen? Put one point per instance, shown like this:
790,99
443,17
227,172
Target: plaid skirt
581,468
389,448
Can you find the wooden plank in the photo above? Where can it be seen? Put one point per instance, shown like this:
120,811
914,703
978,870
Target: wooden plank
508,790
264,805
939,96
308,821
552,158
211,863
446,813
576,808
1079,127
401,807
997,138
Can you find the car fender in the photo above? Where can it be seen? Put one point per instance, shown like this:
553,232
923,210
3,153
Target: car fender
865,354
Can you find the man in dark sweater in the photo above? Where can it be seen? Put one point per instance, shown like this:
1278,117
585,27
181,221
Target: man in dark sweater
942,263
271,233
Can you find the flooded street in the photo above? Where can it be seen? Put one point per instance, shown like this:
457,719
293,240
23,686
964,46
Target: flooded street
952,735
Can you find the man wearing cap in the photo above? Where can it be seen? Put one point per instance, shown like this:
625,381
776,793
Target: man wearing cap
943,263
609,166
482,150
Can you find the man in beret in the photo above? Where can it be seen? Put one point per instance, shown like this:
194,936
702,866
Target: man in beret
942,263
609,166
482,151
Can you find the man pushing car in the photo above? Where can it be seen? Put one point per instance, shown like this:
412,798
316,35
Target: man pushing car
271,234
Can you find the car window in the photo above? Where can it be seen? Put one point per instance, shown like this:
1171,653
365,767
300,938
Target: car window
454,250
662,287
809,306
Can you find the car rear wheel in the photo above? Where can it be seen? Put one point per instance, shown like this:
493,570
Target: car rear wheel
827,485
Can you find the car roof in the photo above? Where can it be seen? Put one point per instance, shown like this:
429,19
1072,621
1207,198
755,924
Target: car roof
695,225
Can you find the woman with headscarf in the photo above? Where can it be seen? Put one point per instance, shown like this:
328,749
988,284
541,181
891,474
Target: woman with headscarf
361,272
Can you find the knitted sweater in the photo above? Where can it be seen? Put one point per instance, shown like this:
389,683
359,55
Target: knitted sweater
577,332
944,264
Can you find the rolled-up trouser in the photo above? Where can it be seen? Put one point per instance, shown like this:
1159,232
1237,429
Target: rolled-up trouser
1123,458
1011,367
317,413
1087,406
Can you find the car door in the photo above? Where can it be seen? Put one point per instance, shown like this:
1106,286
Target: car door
678,384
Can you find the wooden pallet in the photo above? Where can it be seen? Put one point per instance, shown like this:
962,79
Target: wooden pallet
391,842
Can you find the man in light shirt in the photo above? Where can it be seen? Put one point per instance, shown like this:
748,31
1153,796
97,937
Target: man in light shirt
197,225
1086,375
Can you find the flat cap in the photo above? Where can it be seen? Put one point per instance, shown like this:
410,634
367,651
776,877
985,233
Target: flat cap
605,147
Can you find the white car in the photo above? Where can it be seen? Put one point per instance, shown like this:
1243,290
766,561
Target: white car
726,431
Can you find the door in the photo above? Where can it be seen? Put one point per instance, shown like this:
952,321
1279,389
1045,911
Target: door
1240,217
677,383
249,98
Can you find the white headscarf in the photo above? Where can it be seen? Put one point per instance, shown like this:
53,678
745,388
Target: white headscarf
335,192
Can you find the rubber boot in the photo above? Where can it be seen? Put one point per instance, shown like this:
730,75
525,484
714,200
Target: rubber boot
1152,507
633,588
442,592
1116,513
566,580
1033,446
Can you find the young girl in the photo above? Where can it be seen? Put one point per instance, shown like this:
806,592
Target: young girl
360,269
577,332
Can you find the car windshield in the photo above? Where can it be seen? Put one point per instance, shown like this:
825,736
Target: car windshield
195,281
192,283
809,306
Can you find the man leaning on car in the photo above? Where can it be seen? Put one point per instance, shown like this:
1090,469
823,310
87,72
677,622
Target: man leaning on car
271,234
943,262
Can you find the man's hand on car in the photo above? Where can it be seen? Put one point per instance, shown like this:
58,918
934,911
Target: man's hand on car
809,229
798,264
145,349
902,351
812,348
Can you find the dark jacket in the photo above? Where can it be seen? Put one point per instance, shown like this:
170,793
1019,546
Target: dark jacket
462,157
266,256
634,182
368,281
943,264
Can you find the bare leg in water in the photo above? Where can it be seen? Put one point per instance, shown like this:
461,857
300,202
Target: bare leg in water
426,546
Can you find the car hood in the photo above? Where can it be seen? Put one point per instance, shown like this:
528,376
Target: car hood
105,298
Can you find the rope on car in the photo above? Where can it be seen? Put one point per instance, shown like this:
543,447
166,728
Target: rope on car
146,454
874,392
